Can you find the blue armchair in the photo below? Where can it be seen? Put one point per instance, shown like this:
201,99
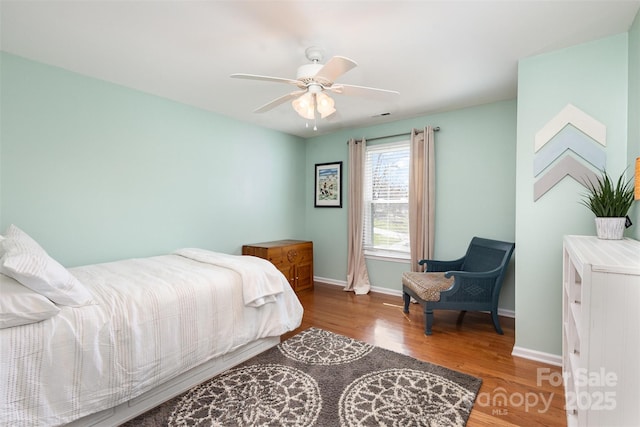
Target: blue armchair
471,283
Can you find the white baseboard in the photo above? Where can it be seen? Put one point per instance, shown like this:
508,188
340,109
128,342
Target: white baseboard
538,356
328,281
506,313
396,292
343,283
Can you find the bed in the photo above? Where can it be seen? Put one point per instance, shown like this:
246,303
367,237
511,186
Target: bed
129,334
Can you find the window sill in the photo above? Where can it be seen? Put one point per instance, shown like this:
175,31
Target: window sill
388,256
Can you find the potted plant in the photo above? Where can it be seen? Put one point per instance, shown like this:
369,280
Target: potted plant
610,204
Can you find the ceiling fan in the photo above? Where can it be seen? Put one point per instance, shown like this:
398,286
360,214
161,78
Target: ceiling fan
312,81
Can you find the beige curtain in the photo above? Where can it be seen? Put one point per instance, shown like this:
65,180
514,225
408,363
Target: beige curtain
357,276
421,197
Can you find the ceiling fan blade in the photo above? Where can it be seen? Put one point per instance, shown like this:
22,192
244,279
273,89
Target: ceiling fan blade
265,78
344,89
335,67
281,100
334,117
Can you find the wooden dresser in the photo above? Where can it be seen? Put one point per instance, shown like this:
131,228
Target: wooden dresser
294,258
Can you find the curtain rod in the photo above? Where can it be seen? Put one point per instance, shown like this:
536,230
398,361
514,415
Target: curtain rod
435,129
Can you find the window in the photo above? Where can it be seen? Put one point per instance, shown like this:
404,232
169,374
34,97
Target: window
386,200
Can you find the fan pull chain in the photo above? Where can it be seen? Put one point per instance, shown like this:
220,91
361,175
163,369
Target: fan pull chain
315,112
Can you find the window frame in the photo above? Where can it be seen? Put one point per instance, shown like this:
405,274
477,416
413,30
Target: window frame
371,252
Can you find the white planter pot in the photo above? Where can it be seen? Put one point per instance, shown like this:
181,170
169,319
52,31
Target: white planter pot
610,228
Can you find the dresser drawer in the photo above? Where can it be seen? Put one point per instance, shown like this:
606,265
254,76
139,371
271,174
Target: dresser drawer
296,254
294,258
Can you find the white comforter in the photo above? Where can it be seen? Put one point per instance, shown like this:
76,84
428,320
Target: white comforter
154,319
262,282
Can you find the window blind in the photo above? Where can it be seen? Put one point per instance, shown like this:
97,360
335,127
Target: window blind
386,199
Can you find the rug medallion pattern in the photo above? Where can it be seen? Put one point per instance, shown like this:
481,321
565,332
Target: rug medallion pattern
318,378
251,396
401,397
320,347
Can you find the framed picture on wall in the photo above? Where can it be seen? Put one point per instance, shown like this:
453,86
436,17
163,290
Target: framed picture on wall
328,185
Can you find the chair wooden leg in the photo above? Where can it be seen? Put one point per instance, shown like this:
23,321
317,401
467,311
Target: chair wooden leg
460,318
496,321
428,320
407,299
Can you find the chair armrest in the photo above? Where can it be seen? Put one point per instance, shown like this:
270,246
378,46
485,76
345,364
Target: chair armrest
436,265
463,279
474,274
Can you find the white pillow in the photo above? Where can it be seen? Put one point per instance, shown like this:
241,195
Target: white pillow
21,306
29,264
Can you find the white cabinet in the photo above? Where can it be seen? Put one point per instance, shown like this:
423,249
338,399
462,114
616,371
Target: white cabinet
601,331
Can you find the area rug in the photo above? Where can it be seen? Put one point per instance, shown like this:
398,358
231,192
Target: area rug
319,378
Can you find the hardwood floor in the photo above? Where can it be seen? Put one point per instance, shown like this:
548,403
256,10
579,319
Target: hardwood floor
514,391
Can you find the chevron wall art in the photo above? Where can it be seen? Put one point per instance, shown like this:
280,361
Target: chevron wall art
571,133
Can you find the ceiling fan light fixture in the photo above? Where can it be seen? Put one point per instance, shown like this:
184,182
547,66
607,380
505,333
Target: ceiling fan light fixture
325,104
307,105
312,80
304,106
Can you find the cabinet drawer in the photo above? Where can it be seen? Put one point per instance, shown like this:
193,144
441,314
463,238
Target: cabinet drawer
294,258
297,254
254,251
273,255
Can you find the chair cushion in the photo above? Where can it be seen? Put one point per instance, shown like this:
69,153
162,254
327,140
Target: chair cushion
427,286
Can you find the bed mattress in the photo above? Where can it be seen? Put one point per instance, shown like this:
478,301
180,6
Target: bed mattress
153,319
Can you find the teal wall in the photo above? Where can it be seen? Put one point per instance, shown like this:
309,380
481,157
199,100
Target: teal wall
634,113
594,78
97,172
475,189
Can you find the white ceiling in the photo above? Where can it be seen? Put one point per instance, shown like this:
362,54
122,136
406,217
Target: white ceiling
440,55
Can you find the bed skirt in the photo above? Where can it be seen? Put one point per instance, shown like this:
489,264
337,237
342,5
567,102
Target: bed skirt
176,386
